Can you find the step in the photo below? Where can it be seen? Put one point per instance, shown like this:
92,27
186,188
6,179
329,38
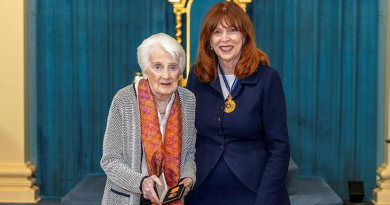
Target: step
88,191
292,178
310,191
314,191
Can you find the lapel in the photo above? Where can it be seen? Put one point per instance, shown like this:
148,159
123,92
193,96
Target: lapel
248,80
216,85
135,118
185,135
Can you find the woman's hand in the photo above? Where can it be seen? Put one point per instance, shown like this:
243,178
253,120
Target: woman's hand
187,184
148,189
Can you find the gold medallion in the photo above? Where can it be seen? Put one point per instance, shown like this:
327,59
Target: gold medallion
172,195
230,105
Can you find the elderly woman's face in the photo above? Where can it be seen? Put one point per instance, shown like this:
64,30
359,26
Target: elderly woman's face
227,42
163,73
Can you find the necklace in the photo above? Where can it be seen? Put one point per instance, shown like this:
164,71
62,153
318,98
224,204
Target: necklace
230,105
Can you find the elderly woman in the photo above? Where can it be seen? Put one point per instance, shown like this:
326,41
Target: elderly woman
150,128
242,140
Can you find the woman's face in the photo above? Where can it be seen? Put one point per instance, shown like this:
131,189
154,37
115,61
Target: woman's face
163,73
227,42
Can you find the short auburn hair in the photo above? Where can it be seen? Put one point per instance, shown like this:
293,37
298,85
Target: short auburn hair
205,67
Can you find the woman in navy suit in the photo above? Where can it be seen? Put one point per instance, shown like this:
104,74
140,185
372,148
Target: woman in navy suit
242,148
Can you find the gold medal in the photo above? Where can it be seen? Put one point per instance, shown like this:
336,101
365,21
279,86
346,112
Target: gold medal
230,105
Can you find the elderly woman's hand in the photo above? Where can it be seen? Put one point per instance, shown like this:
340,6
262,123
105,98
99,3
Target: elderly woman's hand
187,184
148,189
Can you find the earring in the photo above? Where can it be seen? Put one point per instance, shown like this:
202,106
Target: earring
211,48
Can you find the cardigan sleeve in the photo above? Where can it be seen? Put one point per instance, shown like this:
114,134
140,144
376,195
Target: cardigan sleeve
189,167
276,136
113,162
191,80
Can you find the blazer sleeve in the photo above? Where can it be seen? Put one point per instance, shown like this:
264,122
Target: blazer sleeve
276,135
113,162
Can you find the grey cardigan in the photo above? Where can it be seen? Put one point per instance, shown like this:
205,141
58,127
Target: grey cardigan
122,148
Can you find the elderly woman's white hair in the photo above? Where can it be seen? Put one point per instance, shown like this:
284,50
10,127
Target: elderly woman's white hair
165,42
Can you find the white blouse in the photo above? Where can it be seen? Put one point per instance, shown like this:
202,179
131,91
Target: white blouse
230,80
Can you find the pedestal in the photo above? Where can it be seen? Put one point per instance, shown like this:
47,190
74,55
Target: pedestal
381,194
17,182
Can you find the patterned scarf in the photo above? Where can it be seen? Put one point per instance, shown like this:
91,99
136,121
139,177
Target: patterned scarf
161,157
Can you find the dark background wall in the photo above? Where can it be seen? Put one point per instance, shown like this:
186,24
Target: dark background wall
326,52
86,52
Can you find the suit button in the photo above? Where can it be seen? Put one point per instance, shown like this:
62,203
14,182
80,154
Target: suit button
218,119
220,133
221,108
221,147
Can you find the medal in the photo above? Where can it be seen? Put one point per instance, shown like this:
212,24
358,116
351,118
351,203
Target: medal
230,105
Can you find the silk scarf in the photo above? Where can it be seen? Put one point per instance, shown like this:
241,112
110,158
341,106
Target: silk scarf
160,157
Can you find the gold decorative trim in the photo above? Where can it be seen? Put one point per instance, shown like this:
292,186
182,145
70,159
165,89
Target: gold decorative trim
242,3
180,8
188,44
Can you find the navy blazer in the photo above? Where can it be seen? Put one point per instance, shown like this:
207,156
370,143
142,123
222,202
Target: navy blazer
253,139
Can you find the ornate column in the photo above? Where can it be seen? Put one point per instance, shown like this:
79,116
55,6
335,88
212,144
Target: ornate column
16,171
381,194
